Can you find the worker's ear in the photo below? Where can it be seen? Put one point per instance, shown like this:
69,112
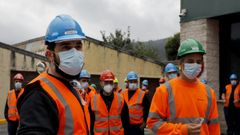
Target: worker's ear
50,55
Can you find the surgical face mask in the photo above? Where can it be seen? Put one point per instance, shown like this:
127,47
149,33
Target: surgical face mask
71,63
132,86
84,85
144,87
172,76
108,88
40,70
18,85
126,84
233,82
192,70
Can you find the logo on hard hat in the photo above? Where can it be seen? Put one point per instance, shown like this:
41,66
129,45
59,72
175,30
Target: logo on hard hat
70,32
195,48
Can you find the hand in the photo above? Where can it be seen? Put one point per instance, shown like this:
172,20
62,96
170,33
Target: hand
223,96
194,129
143,126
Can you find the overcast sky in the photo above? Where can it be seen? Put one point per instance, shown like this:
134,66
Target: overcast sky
149,19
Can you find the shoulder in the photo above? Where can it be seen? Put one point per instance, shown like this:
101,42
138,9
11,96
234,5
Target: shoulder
34,94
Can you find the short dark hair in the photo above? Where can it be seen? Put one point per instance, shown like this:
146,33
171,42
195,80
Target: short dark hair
50,45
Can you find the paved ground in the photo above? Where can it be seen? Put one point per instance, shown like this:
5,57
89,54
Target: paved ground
3,129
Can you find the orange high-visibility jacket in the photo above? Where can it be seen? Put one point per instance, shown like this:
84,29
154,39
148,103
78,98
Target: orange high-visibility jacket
73,119
12,104
135,106
177,103
236,95
107,122
91,93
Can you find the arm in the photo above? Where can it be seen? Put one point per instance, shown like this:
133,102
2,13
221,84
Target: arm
125,117
213,125
146,106
38,113
6,110
159,113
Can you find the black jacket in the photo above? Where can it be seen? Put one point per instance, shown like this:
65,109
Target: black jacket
38,111
108,101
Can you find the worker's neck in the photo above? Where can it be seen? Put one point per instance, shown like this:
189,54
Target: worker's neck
53,72
183,77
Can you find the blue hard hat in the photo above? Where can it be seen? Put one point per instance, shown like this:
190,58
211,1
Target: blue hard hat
63,28
233,77
170,68
132,76
145,82
84,74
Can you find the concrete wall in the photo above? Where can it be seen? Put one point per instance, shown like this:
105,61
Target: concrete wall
207,32
13,60
99,58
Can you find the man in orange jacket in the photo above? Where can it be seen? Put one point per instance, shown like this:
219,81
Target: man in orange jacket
50,104
184,105
138,105
88,91
231,95
11,112
108,110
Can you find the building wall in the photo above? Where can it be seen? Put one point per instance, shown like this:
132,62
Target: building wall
207,32
12,61
99,58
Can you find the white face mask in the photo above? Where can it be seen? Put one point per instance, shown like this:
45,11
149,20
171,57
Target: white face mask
234,82
84,85
18,85
125,84
71,61
108,88
192,70
40,70
172,76
132,86
144,87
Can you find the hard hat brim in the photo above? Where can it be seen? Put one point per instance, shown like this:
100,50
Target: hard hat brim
68,38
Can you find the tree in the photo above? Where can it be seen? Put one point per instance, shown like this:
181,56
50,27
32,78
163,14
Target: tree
121,41
172,46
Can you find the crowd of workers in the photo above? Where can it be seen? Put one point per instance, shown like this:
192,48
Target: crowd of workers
62,100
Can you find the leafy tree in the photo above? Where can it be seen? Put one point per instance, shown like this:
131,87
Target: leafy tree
172,45
121,41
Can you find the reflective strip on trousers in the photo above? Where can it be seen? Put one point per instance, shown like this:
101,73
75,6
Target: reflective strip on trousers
69,124
106,129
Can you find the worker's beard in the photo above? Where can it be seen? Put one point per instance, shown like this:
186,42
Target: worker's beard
63,74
